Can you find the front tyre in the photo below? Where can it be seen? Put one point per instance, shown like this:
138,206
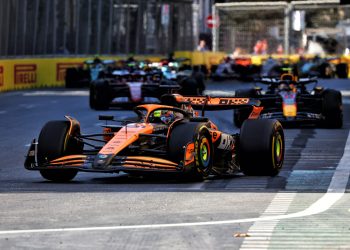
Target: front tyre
261,147
54,142
203,152
99,98
180,136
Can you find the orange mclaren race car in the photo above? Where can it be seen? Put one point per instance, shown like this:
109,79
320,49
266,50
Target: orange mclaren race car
166,139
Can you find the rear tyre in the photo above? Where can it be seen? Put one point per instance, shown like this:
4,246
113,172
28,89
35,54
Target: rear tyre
261,147
332,109
242,114
72,77
53,143
99,96
342,70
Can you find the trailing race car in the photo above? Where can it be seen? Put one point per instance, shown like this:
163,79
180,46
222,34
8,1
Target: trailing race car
129,87
90,71
289,101
190,78
165,139
240,68
136,85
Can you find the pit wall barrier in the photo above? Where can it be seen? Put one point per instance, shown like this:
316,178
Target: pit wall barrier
16,74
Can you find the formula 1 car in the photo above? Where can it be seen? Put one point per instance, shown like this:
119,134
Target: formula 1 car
90,71
240,68
165,139
190,78
289,101
133,86
129,87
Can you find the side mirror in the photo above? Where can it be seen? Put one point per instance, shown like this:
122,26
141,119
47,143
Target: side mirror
106,117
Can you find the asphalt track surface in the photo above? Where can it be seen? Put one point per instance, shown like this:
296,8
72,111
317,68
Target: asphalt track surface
306,206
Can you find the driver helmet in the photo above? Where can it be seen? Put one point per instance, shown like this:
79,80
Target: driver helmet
166,116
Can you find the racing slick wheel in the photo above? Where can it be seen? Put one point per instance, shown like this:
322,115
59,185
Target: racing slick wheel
240,115
261,147
77,78
99,96
332,108
53,143
196,132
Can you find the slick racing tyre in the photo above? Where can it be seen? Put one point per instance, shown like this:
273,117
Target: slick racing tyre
77,78
342,70
332,109
53,143
261,147
180,136
242,114
188,87
203,151
72,77
99,96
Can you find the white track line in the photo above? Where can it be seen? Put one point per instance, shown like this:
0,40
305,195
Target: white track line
335,191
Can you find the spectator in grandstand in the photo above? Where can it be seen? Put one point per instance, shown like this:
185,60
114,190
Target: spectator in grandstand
202,46
279,50
260,47
237,52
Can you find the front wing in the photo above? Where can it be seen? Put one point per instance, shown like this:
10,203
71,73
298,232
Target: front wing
85,163
301,117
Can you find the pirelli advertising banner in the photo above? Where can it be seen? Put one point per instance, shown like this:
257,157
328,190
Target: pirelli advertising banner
43,72
33,73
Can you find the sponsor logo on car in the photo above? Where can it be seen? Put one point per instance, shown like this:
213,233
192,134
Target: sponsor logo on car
25,73
233,101
103,156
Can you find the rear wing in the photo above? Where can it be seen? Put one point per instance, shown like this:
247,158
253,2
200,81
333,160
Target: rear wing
208,102
219,103
274,81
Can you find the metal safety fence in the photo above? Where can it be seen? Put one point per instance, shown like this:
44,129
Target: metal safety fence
73,27
282,27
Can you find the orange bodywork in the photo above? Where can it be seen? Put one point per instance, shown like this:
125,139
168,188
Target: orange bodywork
126,136
71,160
189,155
215,135
255,112
148,162
107,136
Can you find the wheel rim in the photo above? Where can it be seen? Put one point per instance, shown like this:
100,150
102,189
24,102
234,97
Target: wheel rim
277,150
204,152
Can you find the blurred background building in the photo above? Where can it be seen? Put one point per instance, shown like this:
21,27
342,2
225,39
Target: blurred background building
276,27
90,27
46,27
